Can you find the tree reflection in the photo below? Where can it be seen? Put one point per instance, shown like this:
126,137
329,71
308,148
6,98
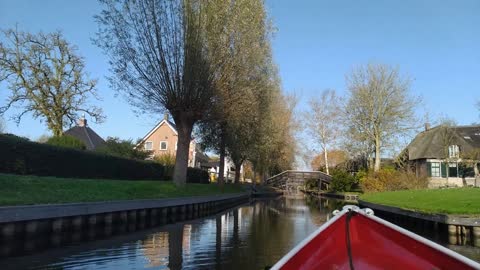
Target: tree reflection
175,241
248,237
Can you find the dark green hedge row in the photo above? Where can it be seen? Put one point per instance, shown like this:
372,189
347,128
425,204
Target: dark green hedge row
21,156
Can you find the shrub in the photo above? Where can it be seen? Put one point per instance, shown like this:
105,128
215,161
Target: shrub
390,180
67,141
196,175
123,148
342,181
311,184
166,159
20,156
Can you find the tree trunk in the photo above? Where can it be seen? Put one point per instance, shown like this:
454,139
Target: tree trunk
326,160
238,165
57,133
447,170
369,161
56,128
221,164
376,168
184,130
475,169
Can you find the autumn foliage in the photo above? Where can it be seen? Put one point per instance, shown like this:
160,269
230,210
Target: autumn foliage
390,180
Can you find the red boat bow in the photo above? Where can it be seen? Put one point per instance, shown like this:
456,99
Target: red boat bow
354,239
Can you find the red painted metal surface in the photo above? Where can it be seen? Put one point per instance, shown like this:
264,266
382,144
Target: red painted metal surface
373,245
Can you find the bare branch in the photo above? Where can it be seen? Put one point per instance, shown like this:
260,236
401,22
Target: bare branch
46,78
379,108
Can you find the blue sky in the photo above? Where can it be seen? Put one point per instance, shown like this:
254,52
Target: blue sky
316,44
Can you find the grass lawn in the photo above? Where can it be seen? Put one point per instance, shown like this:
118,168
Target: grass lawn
446,201
21,190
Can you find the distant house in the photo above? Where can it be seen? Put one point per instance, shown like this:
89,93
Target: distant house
163,138
442,154
85,134
213,167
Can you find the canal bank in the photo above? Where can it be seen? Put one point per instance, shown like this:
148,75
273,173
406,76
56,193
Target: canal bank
350,197
253,235
75,222
447,228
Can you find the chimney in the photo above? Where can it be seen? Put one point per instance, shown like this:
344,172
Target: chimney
165,116
427,126
82,122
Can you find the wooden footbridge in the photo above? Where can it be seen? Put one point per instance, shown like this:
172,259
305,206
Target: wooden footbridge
294,181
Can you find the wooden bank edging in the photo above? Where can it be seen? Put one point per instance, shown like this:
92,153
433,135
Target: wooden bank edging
460,220
346,197
49,211
454,229
27,229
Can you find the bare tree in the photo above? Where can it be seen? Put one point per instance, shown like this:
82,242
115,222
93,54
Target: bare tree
43,138
2,126
159,61
448,138
380,108
472,158
46,78
323,122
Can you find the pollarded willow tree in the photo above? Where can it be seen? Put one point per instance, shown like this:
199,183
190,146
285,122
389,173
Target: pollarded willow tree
323,122
379,109
159,59
46,78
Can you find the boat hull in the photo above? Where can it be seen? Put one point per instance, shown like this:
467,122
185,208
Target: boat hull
355,240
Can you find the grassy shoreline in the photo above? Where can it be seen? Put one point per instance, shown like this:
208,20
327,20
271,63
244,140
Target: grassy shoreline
441,201
28,190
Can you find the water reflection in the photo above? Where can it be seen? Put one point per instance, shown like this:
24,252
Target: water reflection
248,237
251,236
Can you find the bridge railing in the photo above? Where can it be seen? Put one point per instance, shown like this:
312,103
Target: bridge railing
297,178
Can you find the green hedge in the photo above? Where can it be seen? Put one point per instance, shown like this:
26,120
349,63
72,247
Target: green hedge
67,141
21,156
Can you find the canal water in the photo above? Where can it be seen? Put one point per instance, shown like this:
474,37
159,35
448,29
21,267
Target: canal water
251,236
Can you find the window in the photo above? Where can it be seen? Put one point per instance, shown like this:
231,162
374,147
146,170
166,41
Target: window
435,169
148,145
452,170
453,151
163,145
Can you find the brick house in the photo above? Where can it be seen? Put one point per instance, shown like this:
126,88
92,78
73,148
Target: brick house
162,139
444,154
